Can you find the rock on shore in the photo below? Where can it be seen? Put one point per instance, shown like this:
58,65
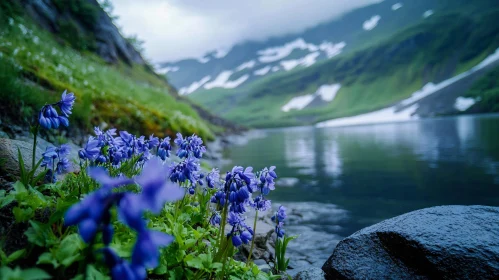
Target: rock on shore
445,242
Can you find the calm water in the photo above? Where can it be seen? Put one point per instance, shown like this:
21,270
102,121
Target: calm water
344,179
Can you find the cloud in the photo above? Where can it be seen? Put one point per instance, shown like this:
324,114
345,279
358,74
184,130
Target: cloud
177,29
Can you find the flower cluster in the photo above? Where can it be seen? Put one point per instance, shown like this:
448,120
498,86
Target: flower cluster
188,171
49,118
108,147
55,161
264,186
236,194
278,218
93,215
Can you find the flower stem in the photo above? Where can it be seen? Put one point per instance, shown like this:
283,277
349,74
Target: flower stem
252,239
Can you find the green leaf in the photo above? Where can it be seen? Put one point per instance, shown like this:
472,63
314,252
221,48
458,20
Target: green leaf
94,274
69,249
6,200
161,270
19,187
34,274
16,255
22,214
40,234
189,243
48,258
194,262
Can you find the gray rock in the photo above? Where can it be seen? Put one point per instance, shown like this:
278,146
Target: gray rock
314,273
9,156
445,242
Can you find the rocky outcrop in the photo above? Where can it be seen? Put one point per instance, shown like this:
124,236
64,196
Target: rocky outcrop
110,45
10,159
446,242
9,166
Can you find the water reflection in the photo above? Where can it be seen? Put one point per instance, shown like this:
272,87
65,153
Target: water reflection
380,171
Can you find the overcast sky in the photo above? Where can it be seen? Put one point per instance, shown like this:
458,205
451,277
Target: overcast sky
177,29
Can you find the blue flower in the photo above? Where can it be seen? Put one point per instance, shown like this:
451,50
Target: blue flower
246,237
190,146
121,269
156,189
66,103
153,142
146,250
236,240
101,175
91,150
280,215
213,178
215,219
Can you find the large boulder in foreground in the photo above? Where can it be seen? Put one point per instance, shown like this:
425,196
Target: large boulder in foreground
445,242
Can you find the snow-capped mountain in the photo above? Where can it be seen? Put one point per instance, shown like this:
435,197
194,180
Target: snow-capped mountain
250,61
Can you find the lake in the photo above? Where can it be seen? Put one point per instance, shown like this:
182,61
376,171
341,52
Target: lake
339,180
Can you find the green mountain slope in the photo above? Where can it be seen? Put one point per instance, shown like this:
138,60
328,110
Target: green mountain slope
439,47
36,65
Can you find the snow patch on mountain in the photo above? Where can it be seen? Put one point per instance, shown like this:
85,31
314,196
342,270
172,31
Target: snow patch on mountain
396,6
166,69
464,103
277,53
371,23
221,53
275,68
298,102
246,65
262,71
326,92
306,61
194,86
332,49
222,81
428,13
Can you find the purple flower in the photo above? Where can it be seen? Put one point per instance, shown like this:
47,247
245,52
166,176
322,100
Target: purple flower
213,178
146,250
153,142
236,240
190,146
156,190
215,219
101,175
91,150
66,103
246,237
121,269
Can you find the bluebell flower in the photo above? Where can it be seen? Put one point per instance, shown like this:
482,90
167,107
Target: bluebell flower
66,103
215,219
91,150
233,219
63,166
146,250
49,156
190,146
246,237
156,189
185,170
280,215
153,142
213,178
121,269
236,240
101,175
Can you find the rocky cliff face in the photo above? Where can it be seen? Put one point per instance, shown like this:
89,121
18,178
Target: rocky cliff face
87,19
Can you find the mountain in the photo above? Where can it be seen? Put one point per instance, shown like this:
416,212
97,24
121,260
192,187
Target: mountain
250,61
407,55
49,46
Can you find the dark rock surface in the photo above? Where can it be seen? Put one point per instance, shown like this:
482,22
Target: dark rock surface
310,274
111,46
9,156
445,242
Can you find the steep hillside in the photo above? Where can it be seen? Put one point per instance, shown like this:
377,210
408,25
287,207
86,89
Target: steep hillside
438,48
251,61
49,46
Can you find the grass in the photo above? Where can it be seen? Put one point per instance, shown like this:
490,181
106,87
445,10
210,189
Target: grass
35,67
371,78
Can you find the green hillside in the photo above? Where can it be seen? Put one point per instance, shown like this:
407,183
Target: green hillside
372,78
37,65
